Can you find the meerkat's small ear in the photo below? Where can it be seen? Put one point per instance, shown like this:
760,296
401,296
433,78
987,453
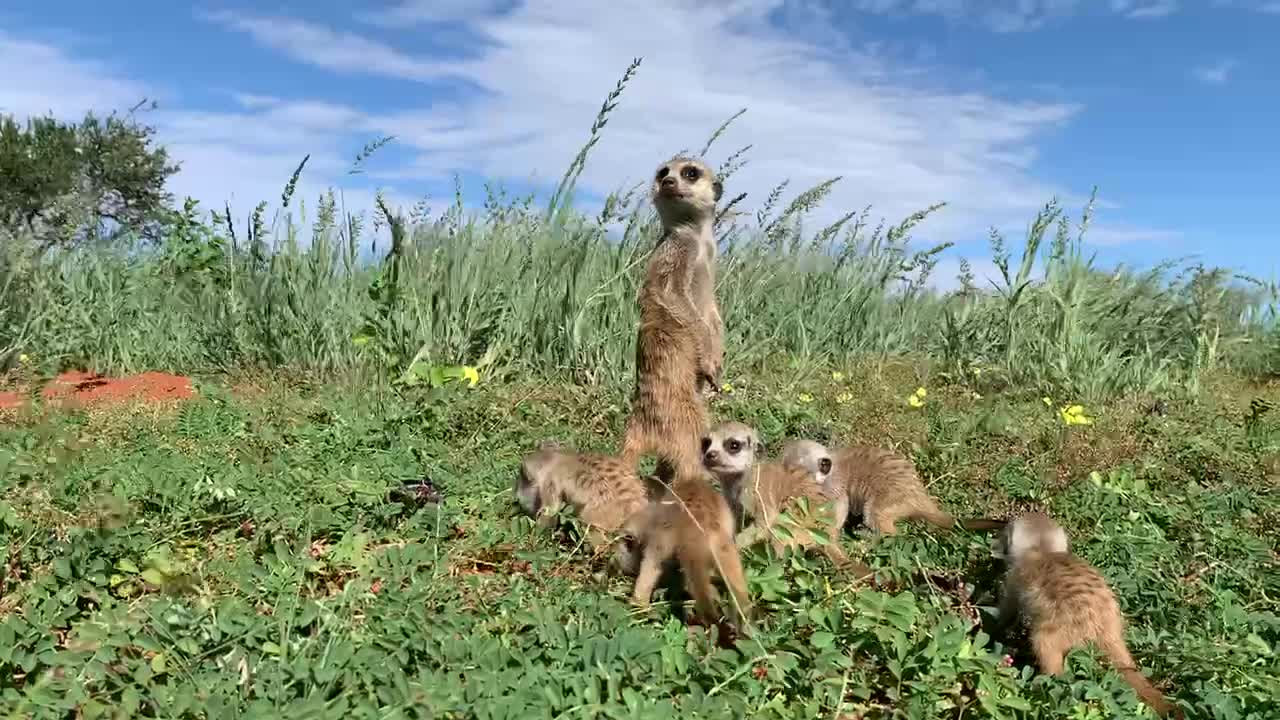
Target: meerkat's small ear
717,188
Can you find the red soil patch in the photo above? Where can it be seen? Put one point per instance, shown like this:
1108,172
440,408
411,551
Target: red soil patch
86,388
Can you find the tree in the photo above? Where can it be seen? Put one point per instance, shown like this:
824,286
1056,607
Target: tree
69,183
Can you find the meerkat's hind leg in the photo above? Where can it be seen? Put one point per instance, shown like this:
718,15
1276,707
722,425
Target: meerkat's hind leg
883,520
647,577
1051,647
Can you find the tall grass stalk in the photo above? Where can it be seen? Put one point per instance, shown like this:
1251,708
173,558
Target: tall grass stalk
553,292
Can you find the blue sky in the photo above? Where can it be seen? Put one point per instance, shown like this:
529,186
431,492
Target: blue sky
1169,106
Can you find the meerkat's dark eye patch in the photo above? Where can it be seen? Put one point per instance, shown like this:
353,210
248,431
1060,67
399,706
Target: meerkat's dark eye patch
690,173
706,444
662,172
734,446
824,465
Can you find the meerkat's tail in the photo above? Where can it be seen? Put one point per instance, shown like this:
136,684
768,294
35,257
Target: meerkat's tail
983,524
1116,651
697,563
725,554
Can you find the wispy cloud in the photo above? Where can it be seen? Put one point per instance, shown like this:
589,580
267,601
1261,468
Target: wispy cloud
1007,16
1145,9
1215,73
899,136
241,155
42,79
330,49
813,111
997,15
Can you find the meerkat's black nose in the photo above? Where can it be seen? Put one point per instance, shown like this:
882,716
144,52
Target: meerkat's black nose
668,181
712,455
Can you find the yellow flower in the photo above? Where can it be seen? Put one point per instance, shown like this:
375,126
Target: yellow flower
805,398
844,397
726,388
1046,401
921,393
471,375
915,401
837,376
24,359
1074,415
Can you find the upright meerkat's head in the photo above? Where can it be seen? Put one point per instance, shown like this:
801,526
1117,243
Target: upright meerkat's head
810,456
730,449
538,473
1029,533
685,190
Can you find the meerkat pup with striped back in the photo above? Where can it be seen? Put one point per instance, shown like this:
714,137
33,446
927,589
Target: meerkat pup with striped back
762,490
679,344
690,525
1064,602
603,490
879,484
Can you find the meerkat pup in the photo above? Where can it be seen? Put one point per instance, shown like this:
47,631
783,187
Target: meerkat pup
691,525
679,344
762,490
880,485
1064,602
603,490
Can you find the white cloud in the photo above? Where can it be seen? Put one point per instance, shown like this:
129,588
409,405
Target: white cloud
1140,9
1215,73
241,156
41,79
816,109
1012,15
813,111
1111,235
330,49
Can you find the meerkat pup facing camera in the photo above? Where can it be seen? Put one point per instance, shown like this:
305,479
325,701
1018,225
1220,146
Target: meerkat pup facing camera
880,484
679,344
1064,602
762,490
602,489
690,525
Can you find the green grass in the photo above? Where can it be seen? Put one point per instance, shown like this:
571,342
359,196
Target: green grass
240,559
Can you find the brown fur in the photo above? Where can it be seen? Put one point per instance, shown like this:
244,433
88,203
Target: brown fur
763,490
693,526
1064,602
679,344
602,489
881,485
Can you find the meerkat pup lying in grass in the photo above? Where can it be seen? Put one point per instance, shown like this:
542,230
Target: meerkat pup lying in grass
761,490
880,485
603,490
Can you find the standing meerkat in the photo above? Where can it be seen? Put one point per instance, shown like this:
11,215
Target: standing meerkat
880,484
1064,602
692,525
679,344
762,490
602,489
